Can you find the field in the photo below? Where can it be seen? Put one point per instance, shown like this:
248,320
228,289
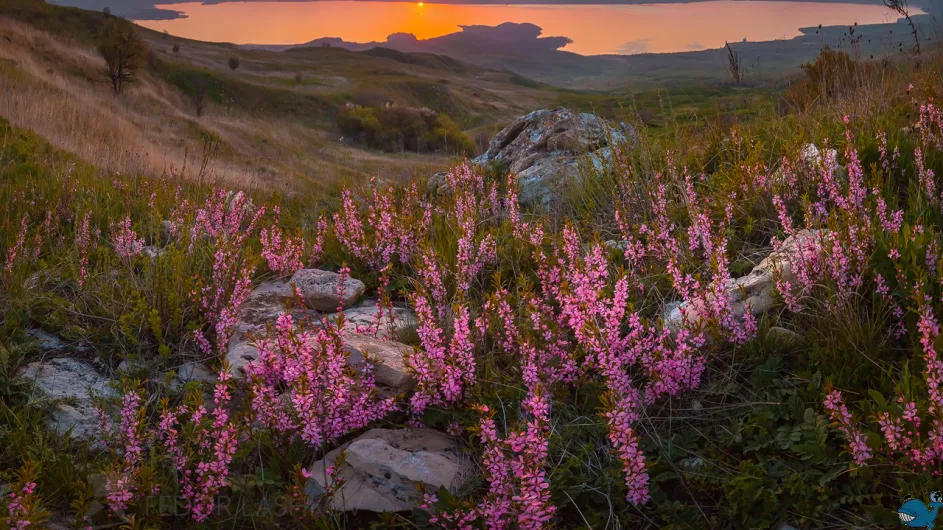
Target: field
593,362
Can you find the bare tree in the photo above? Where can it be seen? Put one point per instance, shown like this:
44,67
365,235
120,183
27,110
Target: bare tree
900,6
734,66
123,52
200,93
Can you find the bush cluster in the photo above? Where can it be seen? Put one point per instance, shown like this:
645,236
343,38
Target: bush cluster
397,128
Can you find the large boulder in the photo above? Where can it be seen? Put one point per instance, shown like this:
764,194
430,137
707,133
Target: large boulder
383,466
753,292
319,289
389,368
544,148
70,385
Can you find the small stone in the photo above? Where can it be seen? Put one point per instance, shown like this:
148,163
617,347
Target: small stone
783,335
194,371
389,368
54,345
383,466
319,289
152,252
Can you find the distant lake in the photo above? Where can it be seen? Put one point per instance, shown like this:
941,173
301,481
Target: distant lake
594,29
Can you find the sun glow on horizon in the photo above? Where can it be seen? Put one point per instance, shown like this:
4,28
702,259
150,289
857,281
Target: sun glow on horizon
594,28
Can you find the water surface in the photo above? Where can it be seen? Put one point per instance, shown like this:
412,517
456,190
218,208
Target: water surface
594,29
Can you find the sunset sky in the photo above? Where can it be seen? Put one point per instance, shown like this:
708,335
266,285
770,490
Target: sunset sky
595,29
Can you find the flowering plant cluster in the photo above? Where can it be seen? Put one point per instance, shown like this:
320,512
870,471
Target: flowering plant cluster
23,507
302,386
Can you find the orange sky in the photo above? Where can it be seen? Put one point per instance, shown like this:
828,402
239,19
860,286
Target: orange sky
595,29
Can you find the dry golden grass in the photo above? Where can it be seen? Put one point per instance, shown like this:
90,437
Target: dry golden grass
56,89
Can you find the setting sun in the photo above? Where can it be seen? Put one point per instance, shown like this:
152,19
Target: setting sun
421,4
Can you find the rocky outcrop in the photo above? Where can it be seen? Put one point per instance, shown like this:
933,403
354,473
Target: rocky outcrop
69,384
389,368
383,466
755,290
544,148
319,289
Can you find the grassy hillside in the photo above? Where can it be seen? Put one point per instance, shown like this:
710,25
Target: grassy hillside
546,341
271,122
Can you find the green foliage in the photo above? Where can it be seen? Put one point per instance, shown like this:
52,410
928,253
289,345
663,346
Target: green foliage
396,128
123,52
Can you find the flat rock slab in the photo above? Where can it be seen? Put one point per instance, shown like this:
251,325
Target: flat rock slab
389,368
70,383
319,289
363,319
383,466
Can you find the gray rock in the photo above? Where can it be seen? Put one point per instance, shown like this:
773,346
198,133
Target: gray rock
194,371
755,290
383,466
545,148
54,345
783,335
269,300
319,289
151,252
392,321
389,368
70,384
263,306
168,232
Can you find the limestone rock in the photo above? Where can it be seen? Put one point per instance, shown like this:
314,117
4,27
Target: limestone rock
389,368
319,288
383,466
544,148
755,290
70,383
392,321
263,306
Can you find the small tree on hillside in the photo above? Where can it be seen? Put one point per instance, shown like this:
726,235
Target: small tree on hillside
123,52
233,63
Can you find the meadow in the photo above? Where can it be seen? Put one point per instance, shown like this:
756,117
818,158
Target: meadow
541,340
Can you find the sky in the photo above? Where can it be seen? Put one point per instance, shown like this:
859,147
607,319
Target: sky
594,29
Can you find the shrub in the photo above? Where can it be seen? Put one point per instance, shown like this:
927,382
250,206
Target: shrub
233,63
123,52
393,127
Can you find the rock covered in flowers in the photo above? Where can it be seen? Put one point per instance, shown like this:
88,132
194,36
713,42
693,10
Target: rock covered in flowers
319,289
70,383
753,292
389,368
383,466
269,300
543,149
